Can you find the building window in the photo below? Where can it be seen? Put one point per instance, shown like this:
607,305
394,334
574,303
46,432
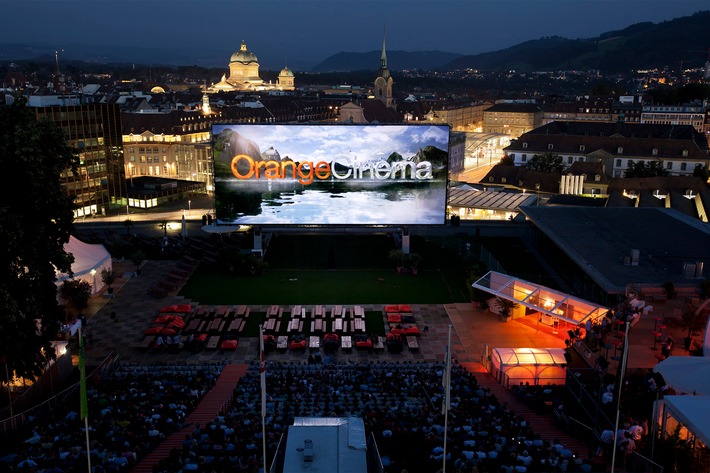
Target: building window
490,178
525,146
619,150
580,159
685,152
669,165
597,178
655,151
503,180
618,163
550,146
512,156
683,166
581,148
524,158
570,159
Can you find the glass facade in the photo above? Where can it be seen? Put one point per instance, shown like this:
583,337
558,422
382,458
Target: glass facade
95,131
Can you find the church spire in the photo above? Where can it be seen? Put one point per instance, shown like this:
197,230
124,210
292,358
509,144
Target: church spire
383,82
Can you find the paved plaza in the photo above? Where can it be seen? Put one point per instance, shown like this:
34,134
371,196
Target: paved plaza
472,329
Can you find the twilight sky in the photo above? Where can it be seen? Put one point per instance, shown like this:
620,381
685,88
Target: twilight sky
302,33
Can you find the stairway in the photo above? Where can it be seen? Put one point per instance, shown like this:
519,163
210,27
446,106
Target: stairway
217,399
540,424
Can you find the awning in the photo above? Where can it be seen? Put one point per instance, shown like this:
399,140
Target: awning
540,298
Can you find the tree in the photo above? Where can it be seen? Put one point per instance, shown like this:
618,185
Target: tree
108,277
645,169
164,225
128,223
35,224
77,294
702,172
546,162
507,161
137,258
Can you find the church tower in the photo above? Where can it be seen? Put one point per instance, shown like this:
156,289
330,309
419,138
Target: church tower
383,82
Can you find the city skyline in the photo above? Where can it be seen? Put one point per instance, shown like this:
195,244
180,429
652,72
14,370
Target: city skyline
303,33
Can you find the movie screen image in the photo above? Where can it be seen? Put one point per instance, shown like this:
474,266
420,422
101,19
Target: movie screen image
330,174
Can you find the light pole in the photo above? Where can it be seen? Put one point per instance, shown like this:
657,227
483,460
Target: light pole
93,275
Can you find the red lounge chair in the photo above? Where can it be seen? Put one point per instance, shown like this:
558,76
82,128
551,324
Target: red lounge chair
394,318
394,337
169,308
413,330
153,331
391,308
177,323
298,344
229,345
363,342
331,337
404,308
201,337
397,331
163,319
183,308
168,331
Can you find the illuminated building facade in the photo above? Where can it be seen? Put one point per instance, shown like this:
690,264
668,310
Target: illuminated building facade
95,130
244,75
173,145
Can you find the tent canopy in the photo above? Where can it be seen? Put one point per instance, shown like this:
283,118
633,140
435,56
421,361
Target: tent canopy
693,412
540,298
686,374
87,258
529,365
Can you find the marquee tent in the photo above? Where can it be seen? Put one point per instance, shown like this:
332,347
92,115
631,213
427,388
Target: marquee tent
89,261
686,374
537,366
692,413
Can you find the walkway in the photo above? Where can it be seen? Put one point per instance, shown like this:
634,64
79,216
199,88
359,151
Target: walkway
216,401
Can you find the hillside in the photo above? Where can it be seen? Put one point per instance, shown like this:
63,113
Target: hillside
639,46
396,60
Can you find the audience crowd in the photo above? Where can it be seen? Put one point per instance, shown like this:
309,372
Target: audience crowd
401,404
130,413
137,407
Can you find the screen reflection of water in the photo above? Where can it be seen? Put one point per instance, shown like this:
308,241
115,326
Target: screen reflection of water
416,206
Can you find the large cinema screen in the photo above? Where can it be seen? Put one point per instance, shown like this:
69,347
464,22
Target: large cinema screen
330,174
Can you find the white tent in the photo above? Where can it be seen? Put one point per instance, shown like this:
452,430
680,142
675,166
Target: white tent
89,261
686,374
512,366
692,413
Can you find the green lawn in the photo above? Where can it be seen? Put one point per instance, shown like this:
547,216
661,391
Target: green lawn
210,285
340,269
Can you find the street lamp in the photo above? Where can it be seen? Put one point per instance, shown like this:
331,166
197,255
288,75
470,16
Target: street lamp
93,275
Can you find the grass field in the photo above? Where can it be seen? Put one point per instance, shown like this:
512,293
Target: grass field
335,269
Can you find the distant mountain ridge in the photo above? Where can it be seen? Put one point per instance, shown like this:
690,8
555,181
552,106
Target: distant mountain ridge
641,45
396,60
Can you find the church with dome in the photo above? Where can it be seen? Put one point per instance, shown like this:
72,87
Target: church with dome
244,75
